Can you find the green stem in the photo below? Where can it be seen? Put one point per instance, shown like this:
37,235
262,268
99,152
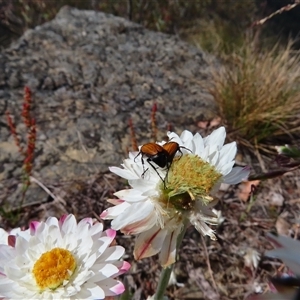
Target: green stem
166,272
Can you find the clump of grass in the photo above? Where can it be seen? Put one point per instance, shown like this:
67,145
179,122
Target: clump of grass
258,94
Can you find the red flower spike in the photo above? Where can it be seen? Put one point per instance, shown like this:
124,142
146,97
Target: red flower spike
132,136
153,122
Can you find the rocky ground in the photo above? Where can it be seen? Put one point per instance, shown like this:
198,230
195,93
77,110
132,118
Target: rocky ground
89,74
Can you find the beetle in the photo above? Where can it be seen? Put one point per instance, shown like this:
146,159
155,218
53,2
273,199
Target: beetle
160,155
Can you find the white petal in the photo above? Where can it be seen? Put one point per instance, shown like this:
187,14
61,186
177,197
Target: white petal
186,137
135,213
91,291
114,211
174,137
237,175
3,236
112,253
144,185
214,158
149,242
70,225
123,173
216,138
112,287
199,144
130,195
205,154
168,252
227,168
228,152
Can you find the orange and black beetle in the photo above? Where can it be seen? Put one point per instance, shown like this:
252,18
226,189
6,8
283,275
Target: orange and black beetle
160,155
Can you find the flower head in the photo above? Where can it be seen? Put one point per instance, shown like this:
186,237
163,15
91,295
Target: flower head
60,259
157,210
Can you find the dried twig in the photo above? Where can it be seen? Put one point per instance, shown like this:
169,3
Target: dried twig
208,263
277,12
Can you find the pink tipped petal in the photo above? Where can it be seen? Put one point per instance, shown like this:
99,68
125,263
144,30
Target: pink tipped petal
118,288
115,201
33,226
104,214
11,240
112,287
110,233
69,225
149,243
62,219
123,267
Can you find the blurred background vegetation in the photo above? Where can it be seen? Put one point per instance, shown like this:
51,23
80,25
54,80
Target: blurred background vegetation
213,23
257,87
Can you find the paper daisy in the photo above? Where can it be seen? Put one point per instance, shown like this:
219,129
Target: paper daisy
156,211
60,259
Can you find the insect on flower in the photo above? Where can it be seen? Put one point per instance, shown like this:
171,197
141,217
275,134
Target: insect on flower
160,155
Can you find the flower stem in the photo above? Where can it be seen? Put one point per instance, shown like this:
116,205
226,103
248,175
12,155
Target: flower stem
166,272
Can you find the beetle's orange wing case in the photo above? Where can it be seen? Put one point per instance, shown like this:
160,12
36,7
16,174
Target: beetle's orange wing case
171,148
151,149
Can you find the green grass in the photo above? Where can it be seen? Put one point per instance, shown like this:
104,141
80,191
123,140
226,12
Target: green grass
258,93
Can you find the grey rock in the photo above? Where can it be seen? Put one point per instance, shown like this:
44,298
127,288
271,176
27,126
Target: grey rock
90,72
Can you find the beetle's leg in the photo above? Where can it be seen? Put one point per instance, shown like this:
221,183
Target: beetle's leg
185,149
166,177
142,159
143,163
155,169
143,174
137,156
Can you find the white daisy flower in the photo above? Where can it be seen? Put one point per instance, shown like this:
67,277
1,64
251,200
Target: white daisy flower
156,211
60,259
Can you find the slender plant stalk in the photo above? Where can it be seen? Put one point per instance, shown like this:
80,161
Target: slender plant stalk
166,272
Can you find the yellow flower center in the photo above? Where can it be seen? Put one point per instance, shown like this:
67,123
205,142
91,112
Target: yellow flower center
190,178
53,268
